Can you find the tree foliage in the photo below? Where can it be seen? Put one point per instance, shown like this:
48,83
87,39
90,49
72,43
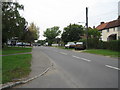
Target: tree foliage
32,33
72,33
51,34
93,33
13,25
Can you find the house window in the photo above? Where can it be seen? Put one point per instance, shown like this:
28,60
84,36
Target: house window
108,30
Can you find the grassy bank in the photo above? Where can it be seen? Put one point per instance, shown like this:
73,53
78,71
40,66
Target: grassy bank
103,52
15,66
12,50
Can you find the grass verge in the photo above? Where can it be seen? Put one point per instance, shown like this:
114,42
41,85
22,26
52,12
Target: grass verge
103,52
15,67
13,50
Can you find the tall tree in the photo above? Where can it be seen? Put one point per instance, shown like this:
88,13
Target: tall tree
13,25
51,34
72,33
32,33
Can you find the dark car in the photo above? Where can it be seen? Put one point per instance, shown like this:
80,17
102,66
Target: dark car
80,46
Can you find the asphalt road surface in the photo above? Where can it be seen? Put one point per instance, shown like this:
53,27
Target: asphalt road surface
74,69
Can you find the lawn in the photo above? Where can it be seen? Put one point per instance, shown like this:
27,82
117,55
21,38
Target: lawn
12,50
15,66
103,52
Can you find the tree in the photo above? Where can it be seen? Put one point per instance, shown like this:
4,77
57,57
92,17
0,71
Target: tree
32,33
51,34
72,33
93,33
13,25
41,42
93,38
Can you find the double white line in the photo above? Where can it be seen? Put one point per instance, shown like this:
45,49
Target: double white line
81,58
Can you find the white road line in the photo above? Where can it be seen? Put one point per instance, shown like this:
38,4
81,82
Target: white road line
81,58
112,67
85,59
75,56
63,53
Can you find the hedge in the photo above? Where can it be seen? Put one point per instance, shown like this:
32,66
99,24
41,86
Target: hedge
97,44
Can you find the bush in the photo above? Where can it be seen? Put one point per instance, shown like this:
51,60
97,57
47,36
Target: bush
110,45
113,45
98,44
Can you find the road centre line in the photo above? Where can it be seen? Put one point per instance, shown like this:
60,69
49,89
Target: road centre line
112,67
63,53
81,58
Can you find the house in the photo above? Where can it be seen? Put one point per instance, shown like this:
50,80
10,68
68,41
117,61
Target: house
110,30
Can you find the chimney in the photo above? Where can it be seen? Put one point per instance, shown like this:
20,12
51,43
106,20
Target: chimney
101,22
93,27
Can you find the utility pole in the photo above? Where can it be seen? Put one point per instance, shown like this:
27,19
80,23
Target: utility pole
87,27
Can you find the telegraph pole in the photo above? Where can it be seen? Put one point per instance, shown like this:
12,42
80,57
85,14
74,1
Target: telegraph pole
87,27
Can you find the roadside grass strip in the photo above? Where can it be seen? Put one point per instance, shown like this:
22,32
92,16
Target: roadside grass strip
103,52
15,67
14,50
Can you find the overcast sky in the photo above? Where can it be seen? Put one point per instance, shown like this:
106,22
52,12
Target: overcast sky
49,13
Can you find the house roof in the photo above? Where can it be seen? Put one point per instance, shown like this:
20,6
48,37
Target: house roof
110,24
101,26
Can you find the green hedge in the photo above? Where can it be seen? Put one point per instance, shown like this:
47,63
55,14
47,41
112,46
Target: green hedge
97,44
112,45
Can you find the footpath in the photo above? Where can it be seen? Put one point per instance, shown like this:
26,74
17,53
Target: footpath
40,64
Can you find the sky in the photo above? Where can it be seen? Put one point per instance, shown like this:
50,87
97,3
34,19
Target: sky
48,13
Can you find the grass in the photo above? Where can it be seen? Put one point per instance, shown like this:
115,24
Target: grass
13,50
15,66
103,52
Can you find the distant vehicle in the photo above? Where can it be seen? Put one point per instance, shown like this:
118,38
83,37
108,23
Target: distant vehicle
70,45
20,44
39,44
80,46
27,44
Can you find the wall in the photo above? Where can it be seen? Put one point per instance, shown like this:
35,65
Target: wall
106,34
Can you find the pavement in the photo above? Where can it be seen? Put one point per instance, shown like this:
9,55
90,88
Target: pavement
73,70
40,62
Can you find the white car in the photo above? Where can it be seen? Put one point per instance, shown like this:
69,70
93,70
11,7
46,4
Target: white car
70,45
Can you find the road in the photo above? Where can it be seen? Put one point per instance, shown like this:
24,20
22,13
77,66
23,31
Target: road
74,69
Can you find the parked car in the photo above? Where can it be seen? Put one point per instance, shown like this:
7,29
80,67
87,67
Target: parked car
80,45
70,45
20,44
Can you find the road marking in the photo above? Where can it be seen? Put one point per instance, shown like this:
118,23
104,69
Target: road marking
85,59
75,56
81,58
63,53
112,67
